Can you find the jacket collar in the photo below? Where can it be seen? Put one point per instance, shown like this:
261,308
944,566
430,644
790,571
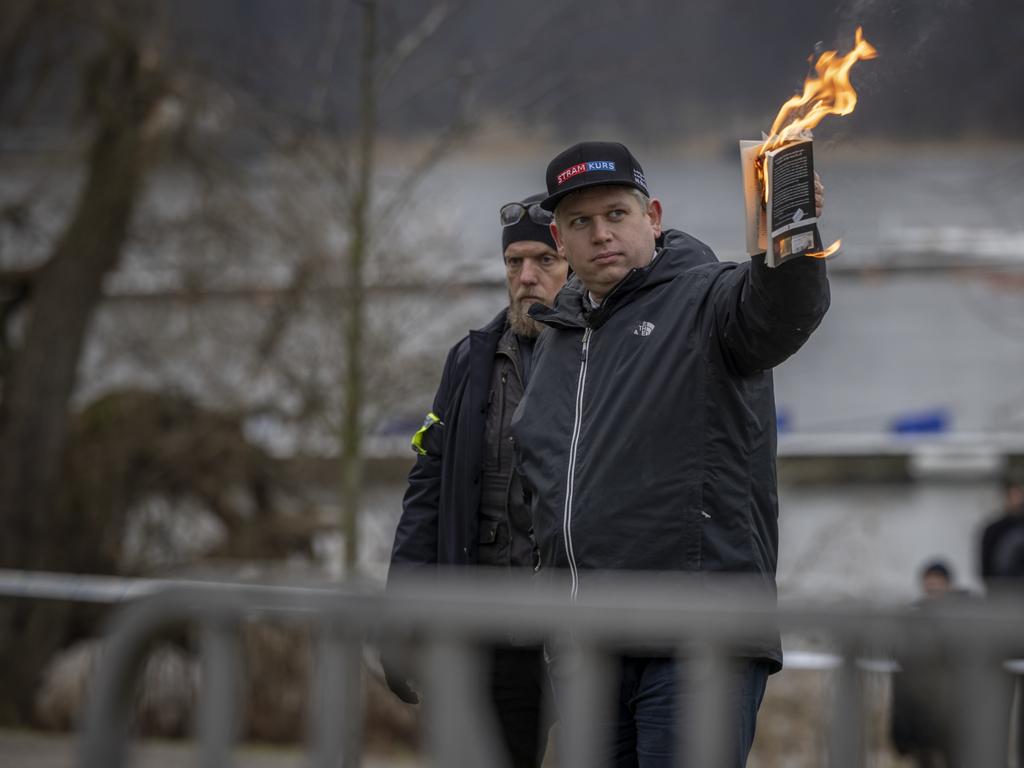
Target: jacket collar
677,252
495,326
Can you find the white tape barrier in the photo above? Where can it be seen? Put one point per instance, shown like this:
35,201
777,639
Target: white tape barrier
87,588
825,661
77,588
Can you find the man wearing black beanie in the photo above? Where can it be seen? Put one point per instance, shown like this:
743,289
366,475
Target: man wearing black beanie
464,504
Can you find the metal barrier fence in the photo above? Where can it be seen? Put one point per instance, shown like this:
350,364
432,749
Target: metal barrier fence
452,617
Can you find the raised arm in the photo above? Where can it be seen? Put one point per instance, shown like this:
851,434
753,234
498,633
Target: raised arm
764,315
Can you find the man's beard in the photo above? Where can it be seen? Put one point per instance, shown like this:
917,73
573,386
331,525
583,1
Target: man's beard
521,322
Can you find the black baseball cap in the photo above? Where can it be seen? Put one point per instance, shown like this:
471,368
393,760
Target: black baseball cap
592,164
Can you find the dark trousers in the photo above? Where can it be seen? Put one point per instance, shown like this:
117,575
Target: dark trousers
659,695
519,687
656,699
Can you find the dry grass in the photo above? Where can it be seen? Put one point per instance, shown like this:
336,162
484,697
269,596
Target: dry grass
794,721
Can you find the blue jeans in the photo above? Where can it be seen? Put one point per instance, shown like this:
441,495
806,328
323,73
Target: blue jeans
655,700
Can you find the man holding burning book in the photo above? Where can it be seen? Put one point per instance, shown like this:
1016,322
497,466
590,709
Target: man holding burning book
656,374
647,434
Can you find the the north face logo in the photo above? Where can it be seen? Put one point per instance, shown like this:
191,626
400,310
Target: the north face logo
643,329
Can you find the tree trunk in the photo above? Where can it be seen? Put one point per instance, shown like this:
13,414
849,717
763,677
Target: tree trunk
354,307
41,377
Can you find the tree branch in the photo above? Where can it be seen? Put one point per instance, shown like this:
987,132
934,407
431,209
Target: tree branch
428,26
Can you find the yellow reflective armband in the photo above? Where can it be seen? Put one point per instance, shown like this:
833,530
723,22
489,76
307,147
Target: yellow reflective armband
417,439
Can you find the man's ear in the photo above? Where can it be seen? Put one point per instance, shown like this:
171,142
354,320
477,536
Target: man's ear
559,245
654,214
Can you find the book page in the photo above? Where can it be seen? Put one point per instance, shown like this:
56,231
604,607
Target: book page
756,233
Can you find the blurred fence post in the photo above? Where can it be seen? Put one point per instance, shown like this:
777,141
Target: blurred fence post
457,620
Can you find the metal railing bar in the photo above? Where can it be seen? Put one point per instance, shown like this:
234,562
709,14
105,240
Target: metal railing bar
704,733
457,617
461,730
983,732
668,611
104,736
846,737
587,675
337,700
216,714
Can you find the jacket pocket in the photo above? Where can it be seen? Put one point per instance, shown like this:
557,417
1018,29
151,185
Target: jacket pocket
494,543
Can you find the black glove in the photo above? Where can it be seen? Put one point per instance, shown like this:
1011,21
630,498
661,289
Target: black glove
398,681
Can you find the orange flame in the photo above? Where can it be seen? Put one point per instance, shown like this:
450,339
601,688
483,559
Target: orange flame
827,252
829,93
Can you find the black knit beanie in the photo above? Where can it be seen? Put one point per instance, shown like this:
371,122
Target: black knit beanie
526,228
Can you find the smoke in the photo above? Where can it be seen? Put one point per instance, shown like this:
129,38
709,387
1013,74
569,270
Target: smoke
915,22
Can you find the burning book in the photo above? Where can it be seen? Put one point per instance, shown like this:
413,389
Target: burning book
778,171
778,188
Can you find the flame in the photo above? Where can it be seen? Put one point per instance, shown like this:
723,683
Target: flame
827,93
827,252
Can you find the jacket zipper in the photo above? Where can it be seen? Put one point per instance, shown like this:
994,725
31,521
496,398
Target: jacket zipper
571,474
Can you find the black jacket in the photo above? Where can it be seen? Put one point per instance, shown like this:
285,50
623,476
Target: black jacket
439,523
1002,552
647,431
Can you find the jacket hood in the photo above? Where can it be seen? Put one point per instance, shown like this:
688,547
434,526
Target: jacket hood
677,252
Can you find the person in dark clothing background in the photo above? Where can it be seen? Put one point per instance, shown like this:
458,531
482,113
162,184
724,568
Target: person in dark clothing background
1002,570
1002,542
926,707
464,504
646,435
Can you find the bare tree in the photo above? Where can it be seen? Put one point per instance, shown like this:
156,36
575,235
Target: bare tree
129,93
67,288
354,308
343,167
122,96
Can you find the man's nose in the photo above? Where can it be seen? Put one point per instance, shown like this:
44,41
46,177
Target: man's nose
601,232
530,273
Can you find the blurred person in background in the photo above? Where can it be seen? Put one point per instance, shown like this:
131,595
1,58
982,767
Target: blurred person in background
924,717
1002,569
647,432
936,579
1002,542
464,504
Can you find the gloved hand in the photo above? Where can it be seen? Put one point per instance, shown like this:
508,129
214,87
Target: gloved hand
395,675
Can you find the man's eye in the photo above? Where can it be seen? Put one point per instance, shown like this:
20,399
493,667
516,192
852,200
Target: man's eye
579,221
616,215
513,263
547,261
